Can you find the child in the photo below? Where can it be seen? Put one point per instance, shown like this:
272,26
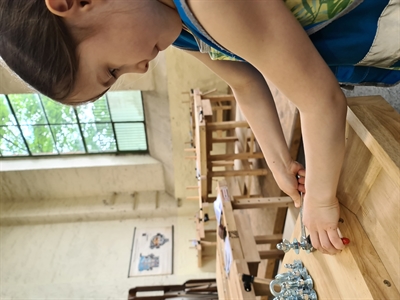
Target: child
74,50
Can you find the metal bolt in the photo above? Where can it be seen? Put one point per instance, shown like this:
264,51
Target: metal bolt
387,282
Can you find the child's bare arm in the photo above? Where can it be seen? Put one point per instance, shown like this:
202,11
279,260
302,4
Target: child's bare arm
265,33
256,102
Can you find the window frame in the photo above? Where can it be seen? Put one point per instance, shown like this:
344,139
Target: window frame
81,131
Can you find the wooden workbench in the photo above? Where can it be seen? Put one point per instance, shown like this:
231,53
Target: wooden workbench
242,245
369,193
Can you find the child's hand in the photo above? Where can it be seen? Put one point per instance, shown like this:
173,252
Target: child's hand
291,181
321,220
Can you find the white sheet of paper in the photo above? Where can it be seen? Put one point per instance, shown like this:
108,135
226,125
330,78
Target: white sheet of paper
228,256
218,209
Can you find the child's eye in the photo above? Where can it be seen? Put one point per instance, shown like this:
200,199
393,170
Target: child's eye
112,72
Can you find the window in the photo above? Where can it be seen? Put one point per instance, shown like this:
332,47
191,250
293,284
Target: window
34,125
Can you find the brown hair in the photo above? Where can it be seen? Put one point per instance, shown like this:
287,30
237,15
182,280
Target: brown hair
38,47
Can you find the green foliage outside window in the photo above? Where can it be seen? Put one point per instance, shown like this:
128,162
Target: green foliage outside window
32,124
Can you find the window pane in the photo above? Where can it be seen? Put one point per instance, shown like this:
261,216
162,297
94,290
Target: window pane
39,139
28,109
99,137
11,142
68,139
6,116
94,112
126,106
58,113
131,136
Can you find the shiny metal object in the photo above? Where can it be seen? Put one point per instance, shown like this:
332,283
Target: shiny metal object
305,242
295,284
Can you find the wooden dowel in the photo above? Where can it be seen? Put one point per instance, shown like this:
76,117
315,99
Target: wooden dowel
270,254
208,92
229,173
268,239
261,202
234,156
222,163
226,125
222,107
228,139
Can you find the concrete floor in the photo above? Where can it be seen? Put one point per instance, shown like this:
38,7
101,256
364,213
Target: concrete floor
391,94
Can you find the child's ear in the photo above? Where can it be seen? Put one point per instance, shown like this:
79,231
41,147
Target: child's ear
66,8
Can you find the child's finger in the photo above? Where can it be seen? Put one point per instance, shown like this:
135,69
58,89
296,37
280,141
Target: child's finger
302,172
301,180
301,188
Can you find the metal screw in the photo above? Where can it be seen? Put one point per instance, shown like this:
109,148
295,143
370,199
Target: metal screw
341,220
387,282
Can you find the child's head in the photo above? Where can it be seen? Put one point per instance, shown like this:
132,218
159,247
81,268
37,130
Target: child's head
70,50
38,46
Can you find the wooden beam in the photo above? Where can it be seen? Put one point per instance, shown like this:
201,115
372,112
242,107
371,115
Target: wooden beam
262,202
227,125
222,163
268,239
234,156
228,139
222,107
229,173
271,254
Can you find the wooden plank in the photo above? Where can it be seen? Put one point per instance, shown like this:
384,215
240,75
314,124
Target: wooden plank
364,170
207,109
222,107
356,273
268,239
222,163
222,287
227,139
272,265
380,218
227,173
249,246
227,125
228,217
262,202
370,177
240,267
200,228
235,156
378,125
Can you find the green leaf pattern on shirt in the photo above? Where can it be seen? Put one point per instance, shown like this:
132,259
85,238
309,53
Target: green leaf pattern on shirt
307,12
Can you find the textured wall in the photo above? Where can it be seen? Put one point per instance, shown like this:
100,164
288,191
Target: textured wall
83,176
85,260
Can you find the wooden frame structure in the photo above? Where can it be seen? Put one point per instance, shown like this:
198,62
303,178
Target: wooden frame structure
208,128
203,128
243,245
369,193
